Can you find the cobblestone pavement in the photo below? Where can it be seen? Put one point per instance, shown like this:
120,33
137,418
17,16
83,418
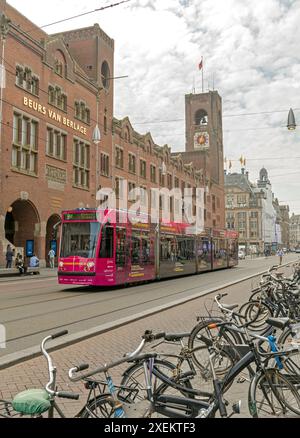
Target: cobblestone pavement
111,346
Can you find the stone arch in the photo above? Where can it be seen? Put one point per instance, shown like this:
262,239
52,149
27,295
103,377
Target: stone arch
52,235
55,47
22,224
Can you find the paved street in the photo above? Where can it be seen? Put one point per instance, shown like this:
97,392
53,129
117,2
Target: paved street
32,307
113,344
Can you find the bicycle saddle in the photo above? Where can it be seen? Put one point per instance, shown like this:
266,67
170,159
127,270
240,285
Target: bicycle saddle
32,402
280,323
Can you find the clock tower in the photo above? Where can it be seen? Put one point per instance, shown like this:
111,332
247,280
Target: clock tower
204,133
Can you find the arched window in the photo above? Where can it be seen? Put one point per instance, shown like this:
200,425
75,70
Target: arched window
60,66
77,110
201,118
105,75
127,134
51,93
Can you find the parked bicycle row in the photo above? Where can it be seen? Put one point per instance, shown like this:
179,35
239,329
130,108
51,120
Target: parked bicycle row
256,342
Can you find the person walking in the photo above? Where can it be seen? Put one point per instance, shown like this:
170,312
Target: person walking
51,256
9,257
280,255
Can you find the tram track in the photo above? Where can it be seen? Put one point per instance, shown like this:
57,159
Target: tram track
98,302
25,327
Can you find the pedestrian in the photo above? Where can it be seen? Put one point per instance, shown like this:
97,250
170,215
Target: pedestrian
9,257
20,264
51,256
34,262
280,255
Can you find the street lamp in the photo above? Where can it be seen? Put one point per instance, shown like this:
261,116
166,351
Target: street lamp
291,124
96,133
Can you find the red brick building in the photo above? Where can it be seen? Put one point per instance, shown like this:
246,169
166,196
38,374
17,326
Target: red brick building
49,111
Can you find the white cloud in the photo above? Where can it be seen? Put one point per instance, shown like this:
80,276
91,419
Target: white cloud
251,47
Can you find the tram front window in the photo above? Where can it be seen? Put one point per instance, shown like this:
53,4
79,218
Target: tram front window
79,239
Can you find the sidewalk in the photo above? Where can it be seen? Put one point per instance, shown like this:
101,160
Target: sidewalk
114,344
14,274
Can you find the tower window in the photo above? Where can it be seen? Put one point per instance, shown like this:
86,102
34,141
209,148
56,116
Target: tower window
201,118
105,75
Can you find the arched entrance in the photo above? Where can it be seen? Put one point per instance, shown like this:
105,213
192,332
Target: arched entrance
52,236
22,226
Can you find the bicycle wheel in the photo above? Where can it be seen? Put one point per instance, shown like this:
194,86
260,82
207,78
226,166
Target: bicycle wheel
100,407
256,313
133,385
291,363
272,395
204,336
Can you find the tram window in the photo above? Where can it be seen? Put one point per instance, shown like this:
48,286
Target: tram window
204,250
223,249
135,247
121,247
220,249
80,239
186,249
146,249
107,243
233,249
168,248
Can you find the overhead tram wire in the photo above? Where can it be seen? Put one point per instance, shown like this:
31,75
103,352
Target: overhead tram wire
13,73
78,15
46,92
153,122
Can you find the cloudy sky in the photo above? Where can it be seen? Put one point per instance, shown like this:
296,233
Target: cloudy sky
250,47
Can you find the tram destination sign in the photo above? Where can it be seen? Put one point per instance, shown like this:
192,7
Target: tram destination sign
80,216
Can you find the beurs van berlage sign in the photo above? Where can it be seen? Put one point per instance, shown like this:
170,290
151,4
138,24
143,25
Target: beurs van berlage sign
54,115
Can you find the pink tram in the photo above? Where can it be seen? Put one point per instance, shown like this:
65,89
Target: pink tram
112,252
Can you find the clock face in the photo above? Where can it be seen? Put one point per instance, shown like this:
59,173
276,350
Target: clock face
201,140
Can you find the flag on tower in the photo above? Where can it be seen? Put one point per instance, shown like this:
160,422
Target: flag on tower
201,64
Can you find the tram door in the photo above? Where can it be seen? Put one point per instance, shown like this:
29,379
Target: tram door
121,255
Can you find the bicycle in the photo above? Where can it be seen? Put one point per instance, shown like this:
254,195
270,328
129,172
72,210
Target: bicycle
36,402
113,404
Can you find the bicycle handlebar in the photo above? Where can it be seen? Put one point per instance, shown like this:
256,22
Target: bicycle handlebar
105,367
62,394
59,334
52,369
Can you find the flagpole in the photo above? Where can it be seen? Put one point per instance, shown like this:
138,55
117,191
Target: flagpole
202,74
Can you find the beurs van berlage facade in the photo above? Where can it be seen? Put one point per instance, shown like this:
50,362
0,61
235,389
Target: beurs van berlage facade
49,111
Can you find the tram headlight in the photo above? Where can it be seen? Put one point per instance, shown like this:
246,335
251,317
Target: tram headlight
90,265
61,265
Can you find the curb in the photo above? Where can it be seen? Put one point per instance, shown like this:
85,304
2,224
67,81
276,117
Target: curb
32,352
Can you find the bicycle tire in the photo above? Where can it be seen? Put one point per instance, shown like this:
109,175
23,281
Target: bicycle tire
197,345
102,404
279,397
254,320
132,374
291,365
